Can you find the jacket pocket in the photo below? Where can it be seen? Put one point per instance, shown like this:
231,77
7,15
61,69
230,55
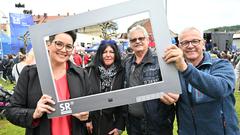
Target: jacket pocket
198,97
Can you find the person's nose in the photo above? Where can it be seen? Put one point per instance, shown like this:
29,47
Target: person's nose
108,54
190,44
137,40
64,48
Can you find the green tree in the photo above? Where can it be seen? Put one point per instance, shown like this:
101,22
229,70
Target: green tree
109,29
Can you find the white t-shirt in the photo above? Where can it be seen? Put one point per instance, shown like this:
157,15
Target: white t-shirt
19,66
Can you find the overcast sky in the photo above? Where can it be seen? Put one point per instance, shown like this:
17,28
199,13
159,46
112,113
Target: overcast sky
203,14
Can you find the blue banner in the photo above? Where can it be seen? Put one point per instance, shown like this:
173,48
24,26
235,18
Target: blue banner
19,24
5,44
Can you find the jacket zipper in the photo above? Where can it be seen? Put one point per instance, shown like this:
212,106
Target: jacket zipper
224,123
192,111
194,121
100,112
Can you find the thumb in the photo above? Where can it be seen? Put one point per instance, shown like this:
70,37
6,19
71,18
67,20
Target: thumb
111,132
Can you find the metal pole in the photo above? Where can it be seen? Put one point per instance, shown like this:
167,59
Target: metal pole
1,48
166,7
1,39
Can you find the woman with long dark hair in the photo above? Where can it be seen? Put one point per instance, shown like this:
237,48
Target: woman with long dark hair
106,74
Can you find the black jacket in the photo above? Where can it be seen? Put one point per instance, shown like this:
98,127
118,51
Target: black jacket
107,119
27,93
159,117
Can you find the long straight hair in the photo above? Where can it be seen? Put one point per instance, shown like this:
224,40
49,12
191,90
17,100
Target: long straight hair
98,60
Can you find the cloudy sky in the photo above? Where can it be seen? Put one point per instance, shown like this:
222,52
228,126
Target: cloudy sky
203,14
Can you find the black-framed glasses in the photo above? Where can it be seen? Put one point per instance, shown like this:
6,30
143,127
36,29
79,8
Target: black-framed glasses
135,39
59,45
194,42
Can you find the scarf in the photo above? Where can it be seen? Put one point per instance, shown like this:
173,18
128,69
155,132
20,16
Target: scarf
106,77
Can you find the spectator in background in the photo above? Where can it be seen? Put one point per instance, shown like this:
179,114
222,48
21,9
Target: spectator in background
236,58
209,45
128,53
17,68
85,58
215,52
22,51
2,68
237,74
30,58
92,56
8,68
77,58
226,55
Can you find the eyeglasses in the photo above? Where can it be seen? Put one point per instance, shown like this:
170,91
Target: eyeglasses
59,45
135,39
194,42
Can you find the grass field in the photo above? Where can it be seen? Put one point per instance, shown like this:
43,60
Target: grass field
7,128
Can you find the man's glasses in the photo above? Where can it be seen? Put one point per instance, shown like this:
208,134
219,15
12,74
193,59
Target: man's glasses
135,39
59,45
194,42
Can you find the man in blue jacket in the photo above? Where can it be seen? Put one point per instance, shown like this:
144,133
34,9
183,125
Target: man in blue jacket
206,105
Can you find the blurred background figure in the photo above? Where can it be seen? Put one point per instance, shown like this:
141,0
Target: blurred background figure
30,58
17,68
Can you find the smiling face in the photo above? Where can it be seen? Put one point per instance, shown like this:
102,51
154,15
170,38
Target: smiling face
59,48
192,45
108,56
138,41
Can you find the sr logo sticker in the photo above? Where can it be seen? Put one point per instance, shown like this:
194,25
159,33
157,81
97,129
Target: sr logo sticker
66,107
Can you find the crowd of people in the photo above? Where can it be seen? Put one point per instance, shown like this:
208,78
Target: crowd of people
205,107
11,65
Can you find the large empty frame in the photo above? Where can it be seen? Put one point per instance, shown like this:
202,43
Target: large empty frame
170,82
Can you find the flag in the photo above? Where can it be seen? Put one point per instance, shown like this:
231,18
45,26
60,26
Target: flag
5,44
19,24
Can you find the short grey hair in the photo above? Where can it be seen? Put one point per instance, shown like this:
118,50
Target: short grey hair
190,29
138,27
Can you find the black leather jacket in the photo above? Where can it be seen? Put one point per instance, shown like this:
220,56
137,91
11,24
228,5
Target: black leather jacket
106,120
159,116
27,93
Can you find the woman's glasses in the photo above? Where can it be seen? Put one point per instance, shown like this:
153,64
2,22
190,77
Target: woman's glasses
59,45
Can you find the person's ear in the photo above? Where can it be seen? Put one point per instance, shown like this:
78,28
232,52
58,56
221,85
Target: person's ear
148,40
204,42
204,45
48,45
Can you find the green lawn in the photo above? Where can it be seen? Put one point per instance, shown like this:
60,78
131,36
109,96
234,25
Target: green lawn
7,128
237,95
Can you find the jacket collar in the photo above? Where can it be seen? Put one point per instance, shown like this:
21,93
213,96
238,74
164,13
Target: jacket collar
207,60
71,66
146,59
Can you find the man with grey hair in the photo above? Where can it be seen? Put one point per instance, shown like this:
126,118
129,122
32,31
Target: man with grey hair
206,105
154,117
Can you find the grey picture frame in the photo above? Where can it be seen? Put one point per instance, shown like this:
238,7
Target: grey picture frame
158,18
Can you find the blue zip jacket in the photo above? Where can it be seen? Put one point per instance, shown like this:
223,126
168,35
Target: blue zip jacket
206,105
